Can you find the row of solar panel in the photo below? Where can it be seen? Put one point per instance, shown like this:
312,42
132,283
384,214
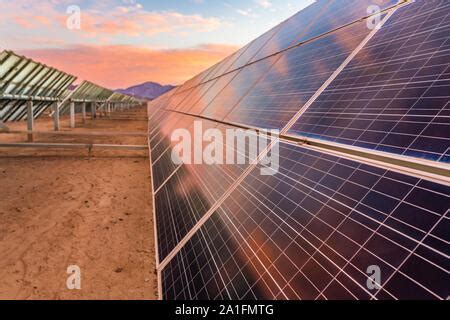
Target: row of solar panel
23,79
312,230
402,106
321,217
318,19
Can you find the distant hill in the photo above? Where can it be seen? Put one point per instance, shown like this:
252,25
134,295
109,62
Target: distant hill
148,90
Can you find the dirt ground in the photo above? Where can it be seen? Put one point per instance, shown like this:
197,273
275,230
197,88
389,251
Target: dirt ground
60,208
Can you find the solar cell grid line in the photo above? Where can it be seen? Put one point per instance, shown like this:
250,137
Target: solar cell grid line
184,88
447,196
225,65
194,96
433,84
207,73
310,188
243,81
320,18
206,77
196,106
281,91
269,236
157,122
239,177
192,189
164,169
163,163
221,250
397,272
239,80
402,106
193,81
216,283
286,262
177,98
160,140
244,55
232,265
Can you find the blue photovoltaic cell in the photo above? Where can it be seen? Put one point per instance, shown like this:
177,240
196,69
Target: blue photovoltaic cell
394,95
319,18
314,228
294,79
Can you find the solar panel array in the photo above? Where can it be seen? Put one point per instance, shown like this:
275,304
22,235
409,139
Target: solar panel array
312,230
22,80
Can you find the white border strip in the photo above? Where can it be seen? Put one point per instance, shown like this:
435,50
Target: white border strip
155,229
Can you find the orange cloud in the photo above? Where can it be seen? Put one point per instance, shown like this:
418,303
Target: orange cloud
141,22
109,20
119,66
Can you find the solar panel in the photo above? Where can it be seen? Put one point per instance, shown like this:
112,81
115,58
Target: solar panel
185,192
317,19
294,78
329,215
321,17
23,79
312,230
196,106
394,95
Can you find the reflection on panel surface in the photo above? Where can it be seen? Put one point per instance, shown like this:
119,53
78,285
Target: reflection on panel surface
314,229
394,95
319,18
295,77
216,264
236,89
184,193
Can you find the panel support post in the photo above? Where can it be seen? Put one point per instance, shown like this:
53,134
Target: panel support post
56,116
93,106
72,114
30,120
83,111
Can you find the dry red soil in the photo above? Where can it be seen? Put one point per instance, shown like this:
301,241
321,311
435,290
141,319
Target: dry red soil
61,207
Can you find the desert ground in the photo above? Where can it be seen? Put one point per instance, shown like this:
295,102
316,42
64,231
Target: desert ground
68,207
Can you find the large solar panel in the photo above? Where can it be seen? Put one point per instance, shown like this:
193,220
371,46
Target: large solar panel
315,228
23,79
394,96
185,192
321,17
295,77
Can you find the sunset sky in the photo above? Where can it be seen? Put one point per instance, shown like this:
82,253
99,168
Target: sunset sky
126,42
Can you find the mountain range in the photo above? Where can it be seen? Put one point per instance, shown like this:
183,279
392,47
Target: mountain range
147,90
